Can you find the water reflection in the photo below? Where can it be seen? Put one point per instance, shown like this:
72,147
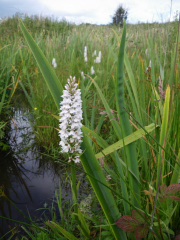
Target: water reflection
29,181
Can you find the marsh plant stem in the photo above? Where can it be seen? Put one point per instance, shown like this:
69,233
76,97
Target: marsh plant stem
74,190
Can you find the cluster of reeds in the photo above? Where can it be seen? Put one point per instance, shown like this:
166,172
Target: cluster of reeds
138,91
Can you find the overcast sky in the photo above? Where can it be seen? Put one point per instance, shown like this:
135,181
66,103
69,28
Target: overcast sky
92,11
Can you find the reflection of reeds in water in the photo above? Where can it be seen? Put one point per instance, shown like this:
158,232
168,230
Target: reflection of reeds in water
13,175
23,164
10,176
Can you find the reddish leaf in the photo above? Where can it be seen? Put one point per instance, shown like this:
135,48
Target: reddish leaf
163,189
173,188
141,231
127,223
177,237
173,198
138,217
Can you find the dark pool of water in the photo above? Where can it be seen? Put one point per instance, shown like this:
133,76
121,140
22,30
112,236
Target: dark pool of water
29,179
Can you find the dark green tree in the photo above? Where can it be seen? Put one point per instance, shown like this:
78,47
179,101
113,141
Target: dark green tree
120,13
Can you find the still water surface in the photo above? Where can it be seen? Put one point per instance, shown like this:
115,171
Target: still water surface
29,179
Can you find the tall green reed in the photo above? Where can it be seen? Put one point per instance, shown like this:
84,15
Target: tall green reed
145,108
88,158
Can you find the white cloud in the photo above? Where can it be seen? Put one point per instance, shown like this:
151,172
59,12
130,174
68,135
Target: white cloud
92,11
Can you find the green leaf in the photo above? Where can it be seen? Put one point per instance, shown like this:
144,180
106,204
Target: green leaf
123,185
102,143
104,195
15,84
130,149
175,176
48,73
133,83
85,229
164,129
108,110
127,140
84,103
59,229
27,95
98,128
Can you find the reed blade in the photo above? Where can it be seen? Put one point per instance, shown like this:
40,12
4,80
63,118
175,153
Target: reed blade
104,195
48,73
130,149
163,135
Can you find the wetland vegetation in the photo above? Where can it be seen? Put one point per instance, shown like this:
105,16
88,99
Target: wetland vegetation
124,186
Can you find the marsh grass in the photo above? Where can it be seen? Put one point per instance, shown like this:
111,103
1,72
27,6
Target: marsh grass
65,42
144,43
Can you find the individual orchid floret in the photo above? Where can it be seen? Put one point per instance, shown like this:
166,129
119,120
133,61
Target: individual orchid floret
54,63
92,71
70,121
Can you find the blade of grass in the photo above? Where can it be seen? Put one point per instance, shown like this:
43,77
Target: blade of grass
108,110
98,128
58,229
176,172
84,103
102,143
130,149
103,194
123,185
48,73
27,95
164,129
16,81
127,140
92,116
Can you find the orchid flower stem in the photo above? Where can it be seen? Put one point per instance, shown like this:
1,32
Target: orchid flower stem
74,190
